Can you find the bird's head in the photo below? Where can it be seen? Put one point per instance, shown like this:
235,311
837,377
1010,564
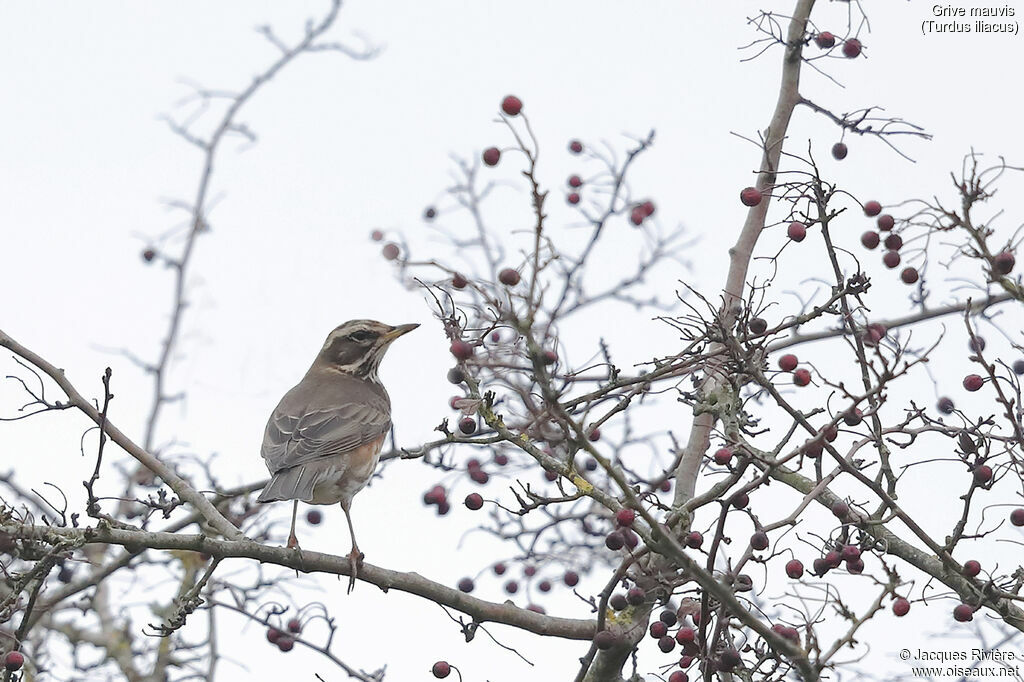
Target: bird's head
358,346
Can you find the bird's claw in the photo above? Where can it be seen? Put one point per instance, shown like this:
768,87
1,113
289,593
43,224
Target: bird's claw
355,558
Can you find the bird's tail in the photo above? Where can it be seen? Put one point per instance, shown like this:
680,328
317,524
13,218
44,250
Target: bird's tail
290,484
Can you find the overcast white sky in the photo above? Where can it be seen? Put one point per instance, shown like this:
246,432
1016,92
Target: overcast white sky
346,147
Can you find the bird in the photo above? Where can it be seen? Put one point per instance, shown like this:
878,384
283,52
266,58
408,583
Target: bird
323,440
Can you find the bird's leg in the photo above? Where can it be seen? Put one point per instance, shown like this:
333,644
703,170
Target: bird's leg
293,542
355,556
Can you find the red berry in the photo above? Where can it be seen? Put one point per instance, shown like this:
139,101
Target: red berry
849,553
575,146
548,357
530,570
314,517
971,568
740,500
983,474
885,222
430,213
794,568
946,406
973,382
833,559
635,596
499,569
148,255
491,156
474,501
443,508
872,208
814,448
1003,262
665,486
459,281
669,618
891,259
757,325
963,613
467,425
802,377
1017,516
573,198
294,626
893,242
648,208
614,540
441,670
511,587
722,456
750,196
636,216
501,459
390,251
575,181
285,643
625,517
686,634
788,362
666,644
618,601
512,105
594,435
851,48
976,344
901,606
551,475
658,629
466,585
544,586
678,676
509,277
605,640
273,634
853,418
796,231
536,608
694,539
825,40
874,333
839,151
478,475
840,509
787,632
869,239
461,350
909,275
759,540
571,578
376,235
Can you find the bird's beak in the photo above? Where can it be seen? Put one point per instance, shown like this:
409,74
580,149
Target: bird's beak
398,331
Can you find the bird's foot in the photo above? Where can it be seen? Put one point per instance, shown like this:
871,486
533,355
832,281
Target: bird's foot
293,543
355,558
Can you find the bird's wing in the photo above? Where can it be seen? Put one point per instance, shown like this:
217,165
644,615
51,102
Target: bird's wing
320,419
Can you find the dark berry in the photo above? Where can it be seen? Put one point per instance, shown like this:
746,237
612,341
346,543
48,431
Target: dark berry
512,105
491,156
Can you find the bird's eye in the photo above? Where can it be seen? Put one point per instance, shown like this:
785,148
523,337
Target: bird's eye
361,335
